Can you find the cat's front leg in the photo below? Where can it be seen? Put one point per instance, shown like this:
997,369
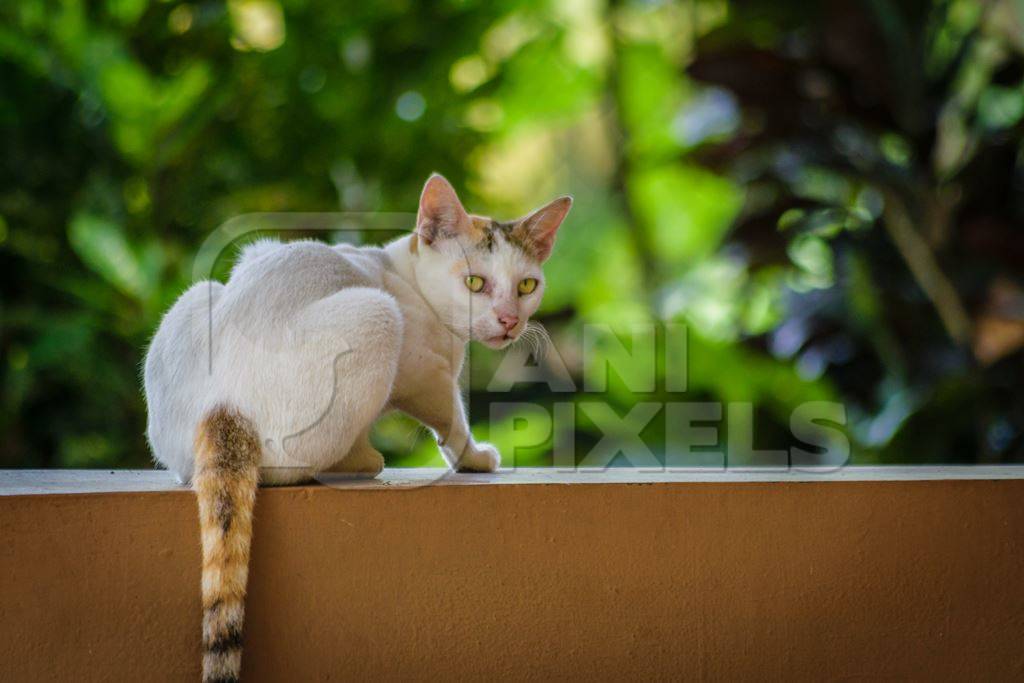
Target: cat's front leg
440,408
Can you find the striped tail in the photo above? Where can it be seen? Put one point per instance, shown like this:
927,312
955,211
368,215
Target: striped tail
227,452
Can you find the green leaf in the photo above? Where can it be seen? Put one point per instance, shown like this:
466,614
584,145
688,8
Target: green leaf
685,209
1000,108
101,244
814,260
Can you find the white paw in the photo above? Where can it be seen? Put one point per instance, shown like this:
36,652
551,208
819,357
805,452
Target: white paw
481,457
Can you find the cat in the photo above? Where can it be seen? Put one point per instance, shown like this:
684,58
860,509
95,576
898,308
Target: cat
279,374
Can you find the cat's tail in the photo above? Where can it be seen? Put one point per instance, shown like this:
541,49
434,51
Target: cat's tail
227,452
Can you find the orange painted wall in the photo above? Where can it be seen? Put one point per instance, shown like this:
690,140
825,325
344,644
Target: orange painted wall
796,581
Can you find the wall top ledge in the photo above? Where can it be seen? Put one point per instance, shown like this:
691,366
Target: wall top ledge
54,482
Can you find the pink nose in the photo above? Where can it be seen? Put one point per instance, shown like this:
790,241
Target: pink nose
509,321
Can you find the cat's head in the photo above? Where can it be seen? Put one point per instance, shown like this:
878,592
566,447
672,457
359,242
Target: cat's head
482,276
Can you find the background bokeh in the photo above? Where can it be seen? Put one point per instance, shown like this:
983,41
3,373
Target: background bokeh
828,195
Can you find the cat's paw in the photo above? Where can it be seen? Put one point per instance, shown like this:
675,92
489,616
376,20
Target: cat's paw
481,457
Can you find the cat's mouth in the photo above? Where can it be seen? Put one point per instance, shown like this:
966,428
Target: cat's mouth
500,341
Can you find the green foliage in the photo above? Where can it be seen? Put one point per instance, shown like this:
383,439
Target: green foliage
733,167
887,149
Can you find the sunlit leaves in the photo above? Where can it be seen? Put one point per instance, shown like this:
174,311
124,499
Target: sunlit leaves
469,73
685,210
192,113
142,108
763,307
952,24
101,244
814,261
126,11
709,297
723,300
827,222
541,83
809,250
651,94
895,149
611,289
1000,107
957,138
258,24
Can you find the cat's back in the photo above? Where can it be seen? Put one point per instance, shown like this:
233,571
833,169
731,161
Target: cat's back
273,277
344,263
271,285
223,340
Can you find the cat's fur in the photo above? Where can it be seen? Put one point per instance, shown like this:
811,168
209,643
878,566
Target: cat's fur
280,373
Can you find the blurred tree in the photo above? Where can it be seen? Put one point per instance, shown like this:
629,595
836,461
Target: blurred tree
884,140
827,197
133,129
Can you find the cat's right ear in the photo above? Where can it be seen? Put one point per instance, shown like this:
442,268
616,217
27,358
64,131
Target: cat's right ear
441,214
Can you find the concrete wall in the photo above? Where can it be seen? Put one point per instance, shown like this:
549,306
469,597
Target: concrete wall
780,581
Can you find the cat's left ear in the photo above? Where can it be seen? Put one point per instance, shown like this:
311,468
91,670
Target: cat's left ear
441,214
537,231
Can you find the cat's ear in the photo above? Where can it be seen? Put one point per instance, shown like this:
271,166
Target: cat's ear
537,231
441,213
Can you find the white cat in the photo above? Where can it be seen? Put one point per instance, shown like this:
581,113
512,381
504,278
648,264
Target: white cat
280,373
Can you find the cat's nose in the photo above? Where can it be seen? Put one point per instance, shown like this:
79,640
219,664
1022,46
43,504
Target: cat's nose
509,321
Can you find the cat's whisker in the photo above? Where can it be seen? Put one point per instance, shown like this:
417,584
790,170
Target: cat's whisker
526,340
538,339
523,340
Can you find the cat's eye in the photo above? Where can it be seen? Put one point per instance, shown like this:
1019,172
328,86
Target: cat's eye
527,286
474,283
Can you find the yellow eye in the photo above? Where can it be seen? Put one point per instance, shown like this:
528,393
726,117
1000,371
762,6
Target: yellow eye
527,286
474,283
